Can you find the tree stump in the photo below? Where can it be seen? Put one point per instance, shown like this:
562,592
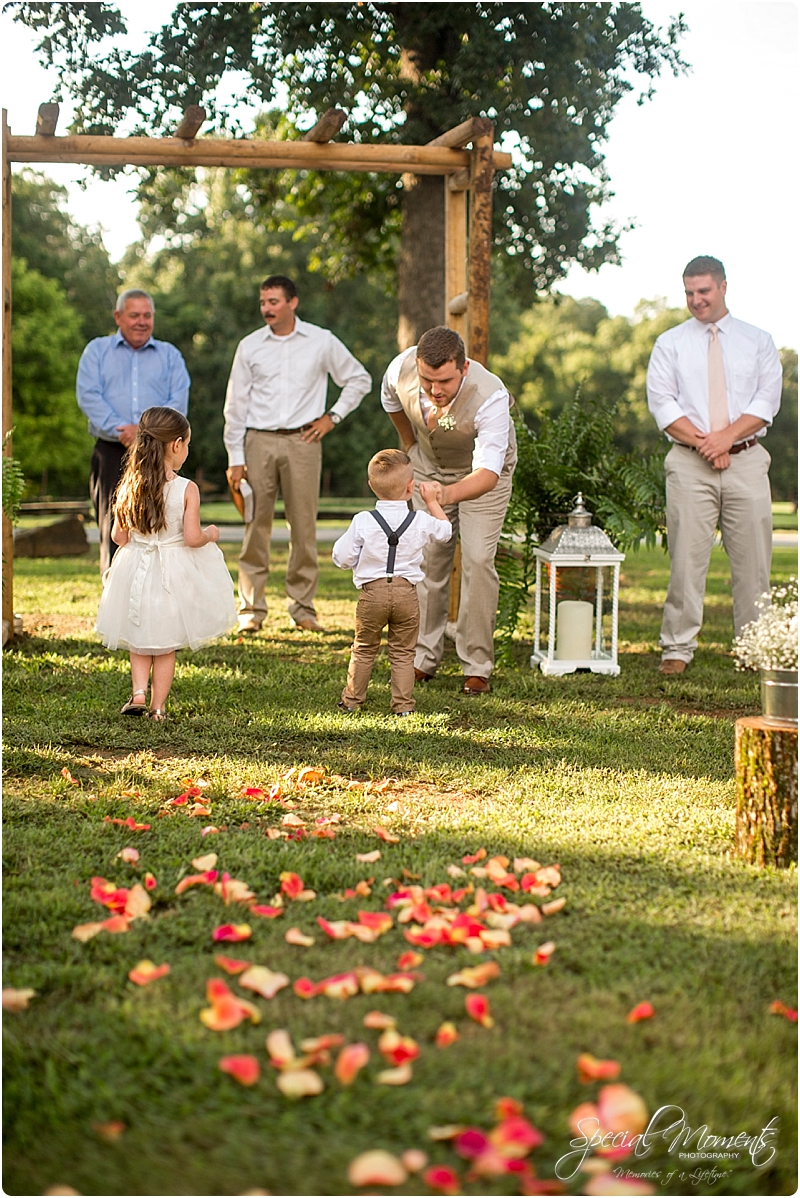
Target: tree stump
766,793
64,538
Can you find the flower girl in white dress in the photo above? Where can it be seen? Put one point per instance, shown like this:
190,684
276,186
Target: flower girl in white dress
168,586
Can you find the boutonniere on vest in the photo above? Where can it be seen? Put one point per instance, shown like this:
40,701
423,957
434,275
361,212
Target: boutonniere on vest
445,421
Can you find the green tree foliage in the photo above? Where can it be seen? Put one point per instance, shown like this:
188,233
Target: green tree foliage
50,437
44,234
781,440
205,282
574,451
550,75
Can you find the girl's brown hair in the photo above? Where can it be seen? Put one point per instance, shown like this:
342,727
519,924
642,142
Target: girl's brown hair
139,502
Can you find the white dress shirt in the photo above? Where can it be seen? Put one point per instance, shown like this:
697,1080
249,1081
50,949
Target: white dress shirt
365,546
677,377
282,382
491,418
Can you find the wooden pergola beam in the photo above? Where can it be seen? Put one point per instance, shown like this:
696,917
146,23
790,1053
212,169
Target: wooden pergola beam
47,119
466,132
327,126
8,531
480,246
190,124
95,150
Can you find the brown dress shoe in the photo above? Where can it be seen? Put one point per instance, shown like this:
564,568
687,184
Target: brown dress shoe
476,686
312,624
672,665
421,676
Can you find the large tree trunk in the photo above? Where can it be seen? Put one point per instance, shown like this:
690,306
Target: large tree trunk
420,275
766,793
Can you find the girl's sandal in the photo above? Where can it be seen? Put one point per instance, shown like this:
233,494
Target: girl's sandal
158,714
132,708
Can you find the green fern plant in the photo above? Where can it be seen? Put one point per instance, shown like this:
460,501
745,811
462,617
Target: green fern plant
13,484
573,452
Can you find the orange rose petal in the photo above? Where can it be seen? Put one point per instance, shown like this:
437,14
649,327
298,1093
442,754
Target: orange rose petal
379,1021
310,776
621,1109
244,1067
205,863
474,976
305,988
368,858
320,1043
443,1179
349,1062
590,1069
378,921
376,1168
85,931
291,884
470,859
409,960
207,878
397,1049
280,1048
109,1131
263,981
300,1083
385,835
265,910
779,1008
17,1000
644,1010
146,972
223,1015
551,907
149,881
295,936
543,953
340,985
231,964
477,1007
209,831
338,929
232,932
400,1076
446,1035
504,1108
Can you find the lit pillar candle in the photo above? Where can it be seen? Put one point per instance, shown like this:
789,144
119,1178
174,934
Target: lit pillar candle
574,635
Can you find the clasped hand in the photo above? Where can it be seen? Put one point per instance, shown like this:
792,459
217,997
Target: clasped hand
715,448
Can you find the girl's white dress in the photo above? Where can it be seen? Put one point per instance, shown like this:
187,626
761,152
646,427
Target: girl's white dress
159,594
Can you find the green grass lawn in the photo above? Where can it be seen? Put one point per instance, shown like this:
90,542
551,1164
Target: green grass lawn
627,782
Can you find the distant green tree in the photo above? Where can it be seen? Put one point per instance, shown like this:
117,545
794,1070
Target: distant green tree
205,282
50,437
51,242
781,440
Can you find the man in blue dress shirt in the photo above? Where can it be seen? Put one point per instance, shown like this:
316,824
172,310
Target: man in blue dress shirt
119,377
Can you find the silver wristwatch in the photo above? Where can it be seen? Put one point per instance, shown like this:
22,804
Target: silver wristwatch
335,417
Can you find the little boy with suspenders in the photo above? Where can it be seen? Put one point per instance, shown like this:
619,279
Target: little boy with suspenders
384,548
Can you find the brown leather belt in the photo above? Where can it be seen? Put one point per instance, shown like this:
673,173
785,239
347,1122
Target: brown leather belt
738,448
282,432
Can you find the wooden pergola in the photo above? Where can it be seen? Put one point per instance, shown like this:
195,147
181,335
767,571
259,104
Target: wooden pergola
467,177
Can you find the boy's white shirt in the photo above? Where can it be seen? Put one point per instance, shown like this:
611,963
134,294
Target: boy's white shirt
365,546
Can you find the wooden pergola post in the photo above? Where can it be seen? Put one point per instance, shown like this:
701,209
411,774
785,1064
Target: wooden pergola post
467,273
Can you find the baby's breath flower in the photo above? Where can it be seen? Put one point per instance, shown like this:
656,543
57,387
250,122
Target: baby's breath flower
770,642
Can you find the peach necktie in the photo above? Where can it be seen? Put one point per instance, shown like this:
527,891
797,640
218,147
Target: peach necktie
718,417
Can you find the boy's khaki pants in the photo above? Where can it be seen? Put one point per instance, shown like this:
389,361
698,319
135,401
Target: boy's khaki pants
382,602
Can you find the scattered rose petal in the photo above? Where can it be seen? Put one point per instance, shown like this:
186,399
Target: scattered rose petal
471,1142
385,835
291,884
477,1007
210,830
146,972
66,774
455,871
305,896
320,1043
231,890
350,1061
446,1035
504,1108
252,792
293,821
265,910
409,960
376,1168
553,906
17,1000
300,1083
400,1076
514,1137
621,1109
544,953
397,1049
280,1049
109,1131
207,878
377,1020
263,981
130,822
470,859
129,855
232,931
776,1008
644,1010
523,864
368,858
340,985
474,976
414,1159
244,1067
231,964
226,1010
149,881
310,776
305,988
85,931
295,936
443,1179
205,863
590,1069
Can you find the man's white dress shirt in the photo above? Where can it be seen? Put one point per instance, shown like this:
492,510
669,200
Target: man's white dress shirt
491,419
282,382
677,377
365,546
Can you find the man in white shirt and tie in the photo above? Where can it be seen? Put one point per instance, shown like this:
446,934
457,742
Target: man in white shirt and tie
714,387
275,420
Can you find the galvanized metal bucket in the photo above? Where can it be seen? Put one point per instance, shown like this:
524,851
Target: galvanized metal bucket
779,697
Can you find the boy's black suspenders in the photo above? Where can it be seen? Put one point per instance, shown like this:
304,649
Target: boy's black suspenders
392,536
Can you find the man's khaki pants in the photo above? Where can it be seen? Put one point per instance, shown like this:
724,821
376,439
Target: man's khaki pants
478,523
382,602
281,460
700,500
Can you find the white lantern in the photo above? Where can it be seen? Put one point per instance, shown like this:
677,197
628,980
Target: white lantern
572,642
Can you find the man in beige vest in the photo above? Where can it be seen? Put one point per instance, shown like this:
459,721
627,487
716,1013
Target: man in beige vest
454,421
714,387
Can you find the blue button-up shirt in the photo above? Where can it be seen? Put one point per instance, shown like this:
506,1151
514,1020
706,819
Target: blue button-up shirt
116,383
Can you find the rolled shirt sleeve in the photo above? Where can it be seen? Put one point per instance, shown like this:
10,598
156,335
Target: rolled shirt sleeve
348,373
662,386
766,401
237,402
